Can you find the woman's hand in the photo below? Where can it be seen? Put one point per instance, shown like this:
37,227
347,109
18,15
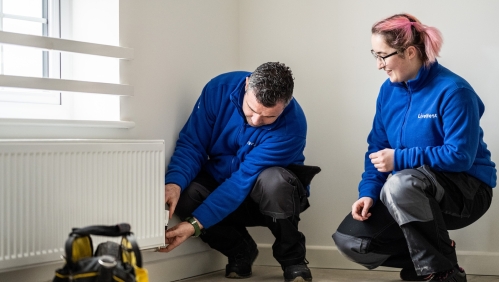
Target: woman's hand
383,160
360,209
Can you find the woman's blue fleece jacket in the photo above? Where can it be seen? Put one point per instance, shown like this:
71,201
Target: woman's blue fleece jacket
432,120
217,139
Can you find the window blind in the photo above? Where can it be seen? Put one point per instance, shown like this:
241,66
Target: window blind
64,45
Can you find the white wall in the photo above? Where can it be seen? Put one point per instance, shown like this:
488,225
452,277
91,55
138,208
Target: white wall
327,45
180,45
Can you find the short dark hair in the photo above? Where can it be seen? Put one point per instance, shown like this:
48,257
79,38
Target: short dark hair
272,83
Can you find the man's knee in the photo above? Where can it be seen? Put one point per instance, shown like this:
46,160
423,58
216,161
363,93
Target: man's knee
355,249
278,192
190,199
273,182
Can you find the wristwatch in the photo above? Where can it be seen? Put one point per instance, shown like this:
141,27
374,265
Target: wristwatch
194,222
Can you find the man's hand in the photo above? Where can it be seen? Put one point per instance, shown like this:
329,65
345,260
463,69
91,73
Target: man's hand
383,160
172,194
177,235
360,209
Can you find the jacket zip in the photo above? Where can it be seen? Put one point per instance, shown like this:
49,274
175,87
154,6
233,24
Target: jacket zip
402,128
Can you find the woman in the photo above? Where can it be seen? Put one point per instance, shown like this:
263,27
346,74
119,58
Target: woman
426,162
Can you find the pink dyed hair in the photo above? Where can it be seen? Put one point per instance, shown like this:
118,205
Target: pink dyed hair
404,30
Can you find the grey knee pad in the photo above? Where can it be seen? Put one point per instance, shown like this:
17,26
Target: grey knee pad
406,193
277,192
190,199
355,249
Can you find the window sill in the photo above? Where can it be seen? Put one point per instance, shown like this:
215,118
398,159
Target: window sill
67,123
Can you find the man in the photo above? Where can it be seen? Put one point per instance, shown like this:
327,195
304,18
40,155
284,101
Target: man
238,162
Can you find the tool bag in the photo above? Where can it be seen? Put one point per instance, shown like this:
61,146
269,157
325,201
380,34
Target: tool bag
110,262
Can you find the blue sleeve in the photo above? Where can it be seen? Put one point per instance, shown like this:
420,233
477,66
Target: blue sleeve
460,113
191,148
275,151
373,180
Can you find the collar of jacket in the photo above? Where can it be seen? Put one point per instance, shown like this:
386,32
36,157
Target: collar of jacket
425,74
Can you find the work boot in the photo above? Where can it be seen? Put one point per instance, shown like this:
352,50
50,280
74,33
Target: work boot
409,274
240,265
456,274
297,273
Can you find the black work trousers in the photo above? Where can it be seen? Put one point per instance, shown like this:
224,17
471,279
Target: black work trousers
276,200
409,226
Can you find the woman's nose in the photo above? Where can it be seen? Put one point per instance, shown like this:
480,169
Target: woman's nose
380,64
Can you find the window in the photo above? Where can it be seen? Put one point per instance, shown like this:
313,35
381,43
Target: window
28,17
61,77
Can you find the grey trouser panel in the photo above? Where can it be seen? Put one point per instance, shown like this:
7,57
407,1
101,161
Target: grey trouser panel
278,193
355,249
405,194
276,190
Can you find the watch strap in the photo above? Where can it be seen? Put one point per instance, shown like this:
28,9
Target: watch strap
195,224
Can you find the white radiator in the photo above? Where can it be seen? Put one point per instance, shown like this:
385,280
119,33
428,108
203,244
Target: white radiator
48,187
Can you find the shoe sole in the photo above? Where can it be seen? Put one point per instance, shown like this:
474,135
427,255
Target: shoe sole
234,275
461,277
298,279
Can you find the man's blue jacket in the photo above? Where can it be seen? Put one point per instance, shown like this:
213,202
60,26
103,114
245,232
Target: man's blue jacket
217,139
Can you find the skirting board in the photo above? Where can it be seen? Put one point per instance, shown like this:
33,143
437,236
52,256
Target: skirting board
477,263
189,265
183,266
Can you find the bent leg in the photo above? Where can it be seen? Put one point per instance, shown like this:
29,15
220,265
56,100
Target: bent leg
378,241
422,202
229,236
275,202
190,199
408,229
279,194
412,199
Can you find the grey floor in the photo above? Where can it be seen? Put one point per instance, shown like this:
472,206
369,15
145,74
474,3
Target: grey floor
271,273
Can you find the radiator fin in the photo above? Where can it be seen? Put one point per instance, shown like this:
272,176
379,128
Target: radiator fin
48,187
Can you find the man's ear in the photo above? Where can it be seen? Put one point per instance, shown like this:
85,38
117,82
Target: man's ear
247,83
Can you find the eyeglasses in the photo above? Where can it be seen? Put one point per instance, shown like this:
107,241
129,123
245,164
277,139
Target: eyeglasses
376,56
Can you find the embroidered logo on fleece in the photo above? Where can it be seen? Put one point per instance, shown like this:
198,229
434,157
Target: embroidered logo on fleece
421,115
251,144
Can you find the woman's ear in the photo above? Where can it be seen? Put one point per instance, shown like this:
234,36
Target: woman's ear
412,52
